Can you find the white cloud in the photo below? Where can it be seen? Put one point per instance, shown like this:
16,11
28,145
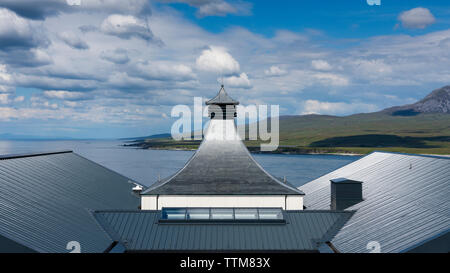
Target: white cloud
65,95
163,71
217,59
220,8
40,102
241,81
5,79
274,71
16,32
10,98
41,9
72,40
331,79
335,108
136,7
372,70
417,18
4,76
321,65
117,56
216,7
4,99
126,27
69,103
10,113
19,99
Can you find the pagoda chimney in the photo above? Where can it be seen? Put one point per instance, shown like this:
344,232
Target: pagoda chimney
222,107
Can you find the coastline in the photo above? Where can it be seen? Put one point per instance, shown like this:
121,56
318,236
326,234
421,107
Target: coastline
253,151
288,151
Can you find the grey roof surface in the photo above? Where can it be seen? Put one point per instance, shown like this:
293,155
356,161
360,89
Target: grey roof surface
140,231
45,200
222,98
222,167
406,201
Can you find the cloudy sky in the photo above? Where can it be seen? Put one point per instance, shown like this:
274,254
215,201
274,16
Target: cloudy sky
115,68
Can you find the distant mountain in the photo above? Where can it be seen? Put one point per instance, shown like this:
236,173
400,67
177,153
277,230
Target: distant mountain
437,101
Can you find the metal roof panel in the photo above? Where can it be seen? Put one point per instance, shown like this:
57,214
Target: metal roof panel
405,201
302,232
45,200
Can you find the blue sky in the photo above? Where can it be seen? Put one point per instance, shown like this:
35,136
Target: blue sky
115,68
344,19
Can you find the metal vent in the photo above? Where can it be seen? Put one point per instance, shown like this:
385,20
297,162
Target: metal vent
345,193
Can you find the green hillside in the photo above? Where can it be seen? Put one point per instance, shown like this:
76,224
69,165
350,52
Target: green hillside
363,133
427,133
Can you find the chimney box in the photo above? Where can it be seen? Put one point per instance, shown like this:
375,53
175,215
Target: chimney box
345,193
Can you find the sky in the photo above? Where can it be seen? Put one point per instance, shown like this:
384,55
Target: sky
116,68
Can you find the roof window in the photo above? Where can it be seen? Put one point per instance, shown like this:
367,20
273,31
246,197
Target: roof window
237,215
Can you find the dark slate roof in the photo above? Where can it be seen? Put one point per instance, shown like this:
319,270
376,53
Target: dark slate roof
222,98
140,231
222,167
405,201
45,201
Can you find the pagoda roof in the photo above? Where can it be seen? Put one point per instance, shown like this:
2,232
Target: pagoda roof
222,167
222,98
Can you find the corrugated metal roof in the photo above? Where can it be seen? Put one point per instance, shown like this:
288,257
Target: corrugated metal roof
222,165
405,201
141,231
45,200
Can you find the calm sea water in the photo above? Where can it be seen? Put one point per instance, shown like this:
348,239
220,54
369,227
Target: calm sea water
145,166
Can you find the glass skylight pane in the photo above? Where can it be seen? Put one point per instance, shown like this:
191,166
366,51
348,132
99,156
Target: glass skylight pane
246,214
222,214
174,214
198,214
270,214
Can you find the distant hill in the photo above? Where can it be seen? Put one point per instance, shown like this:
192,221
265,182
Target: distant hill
422,127
437,101
147,137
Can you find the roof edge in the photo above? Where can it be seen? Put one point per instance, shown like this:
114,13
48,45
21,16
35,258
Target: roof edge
344,212
23,155
150,193
422,155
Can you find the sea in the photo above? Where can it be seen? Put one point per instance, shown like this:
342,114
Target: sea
147,166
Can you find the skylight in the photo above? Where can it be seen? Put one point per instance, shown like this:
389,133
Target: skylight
222,215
